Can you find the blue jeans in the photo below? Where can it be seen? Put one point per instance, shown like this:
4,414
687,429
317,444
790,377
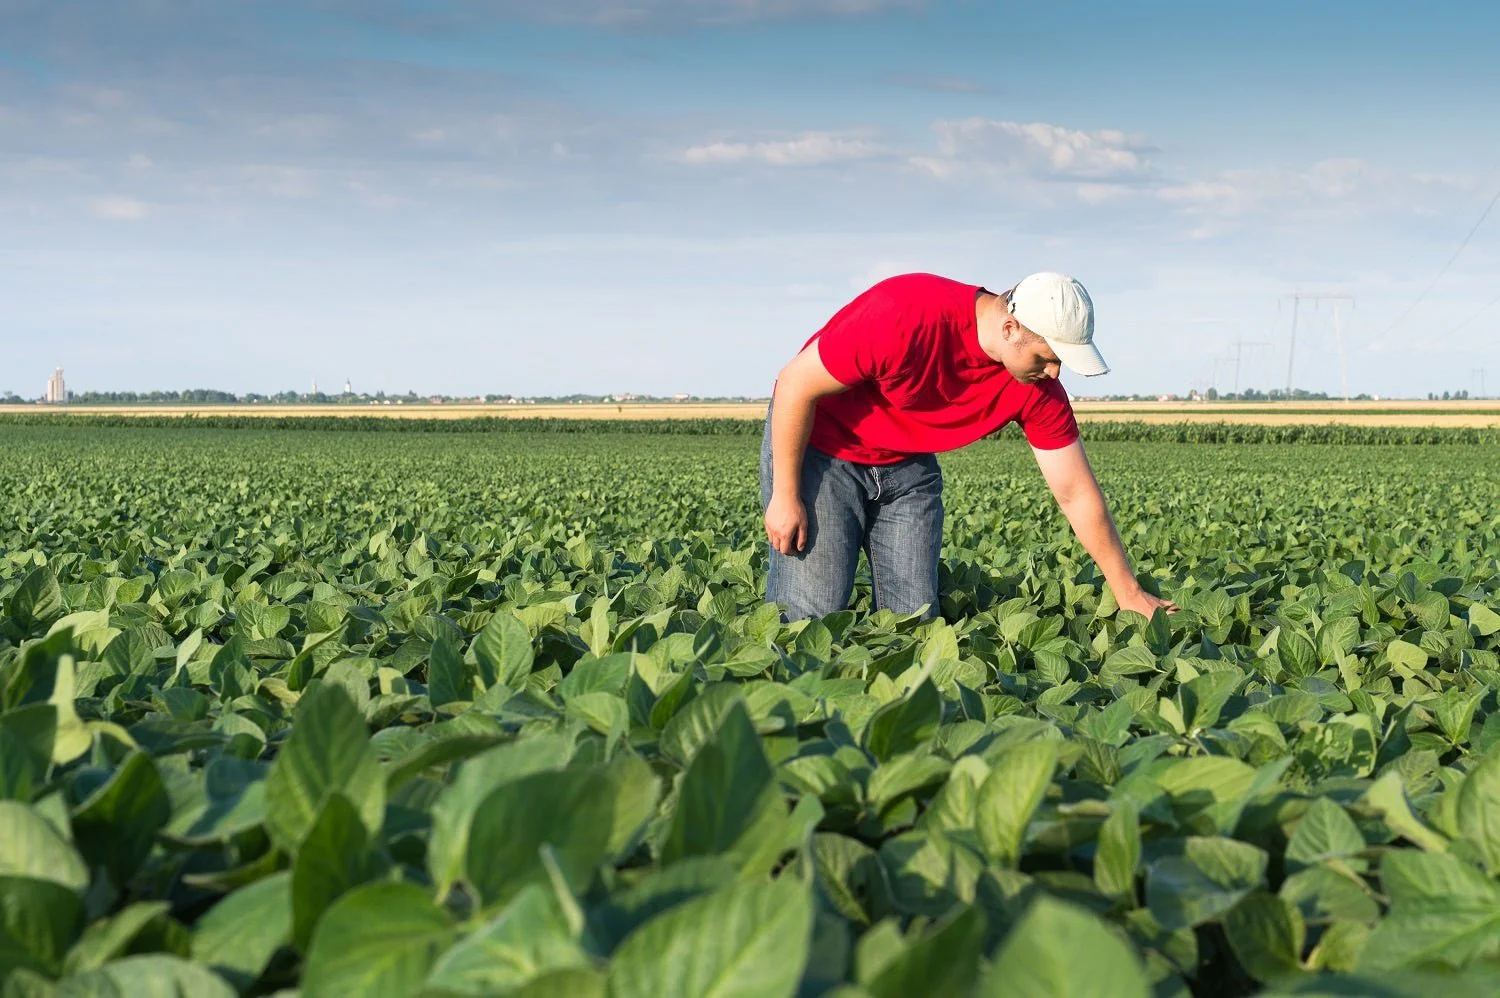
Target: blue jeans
893,512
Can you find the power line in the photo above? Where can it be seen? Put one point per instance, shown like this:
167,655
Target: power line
1482,310
1412,308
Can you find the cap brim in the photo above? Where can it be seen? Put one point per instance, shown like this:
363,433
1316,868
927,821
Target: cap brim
1081,358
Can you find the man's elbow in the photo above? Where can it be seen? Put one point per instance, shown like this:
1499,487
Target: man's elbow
1067,499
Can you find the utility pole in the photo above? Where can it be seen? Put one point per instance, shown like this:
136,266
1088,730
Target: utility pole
1239,351
1291,354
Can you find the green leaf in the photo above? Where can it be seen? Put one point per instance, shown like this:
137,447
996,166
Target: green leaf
636,793
37,600
116,826
72,738
945,961
628,909
232,802
1128,661
728,795
328,752
1204,697
572,811
1482,620
1387,796
377,941
746,941
26,737
503,651
603,712
442,750
930,873
239,935
1296,653
903,775
574,982
1119,851
1443,913
1212,876
1325,831
693,725
1202,780
31,847
1323,894
453,813
1267,935
849,876
1010,795
1479,810
333,859
1059,951
39,920
447,678
108,938
1406,654
905,724
528,938
152,975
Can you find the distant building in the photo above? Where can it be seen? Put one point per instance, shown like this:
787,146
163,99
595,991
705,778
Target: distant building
56,390
348,387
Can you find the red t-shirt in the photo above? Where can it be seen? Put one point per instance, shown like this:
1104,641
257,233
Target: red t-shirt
920,383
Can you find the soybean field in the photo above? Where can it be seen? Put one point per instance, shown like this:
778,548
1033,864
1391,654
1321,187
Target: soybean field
331,712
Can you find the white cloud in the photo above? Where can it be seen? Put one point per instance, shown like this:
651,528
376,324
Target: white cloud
1035,148
810,149
120,209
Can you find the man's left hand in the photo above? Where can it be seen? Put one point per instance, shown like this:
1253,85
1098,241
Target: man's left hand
1144,603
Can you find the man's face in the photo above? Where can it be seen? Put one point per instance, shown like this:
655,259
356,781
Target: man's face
1028,358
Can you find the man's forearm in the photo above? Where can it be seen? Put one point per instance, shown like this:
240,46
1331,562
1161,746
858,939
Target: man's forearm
791,425
1095,528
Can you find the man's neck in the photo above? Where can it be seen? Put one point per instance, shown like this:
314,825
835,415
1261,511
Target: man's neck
989,313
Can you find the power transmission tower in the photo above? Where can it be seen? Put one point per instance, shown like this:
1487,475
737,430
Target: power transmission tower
1291,354
1480,372
1239,351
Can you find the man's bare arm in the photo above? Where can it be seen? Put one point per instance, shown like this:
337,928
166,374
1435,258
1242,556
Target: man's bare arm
798,387
1078,495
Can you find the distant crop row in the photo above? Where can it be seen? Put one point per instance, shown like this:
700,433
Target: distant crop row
1117,431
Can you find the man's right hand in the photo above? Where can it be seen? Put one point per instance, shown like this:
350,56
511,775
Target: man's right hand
786,524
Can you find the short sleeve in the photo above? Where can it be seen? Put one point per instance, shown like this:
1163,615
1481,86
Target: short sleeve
1047,417
867,338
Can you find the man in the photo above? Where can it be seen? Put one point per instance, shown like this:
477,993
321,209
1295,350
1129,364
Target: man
916,365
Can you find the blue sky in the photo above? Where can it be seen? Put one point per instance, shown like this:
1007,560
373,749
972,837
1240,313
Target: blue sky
671,195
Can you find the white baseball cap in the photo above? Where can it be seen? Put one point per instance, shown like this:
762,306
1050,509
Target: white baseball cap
1056,308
